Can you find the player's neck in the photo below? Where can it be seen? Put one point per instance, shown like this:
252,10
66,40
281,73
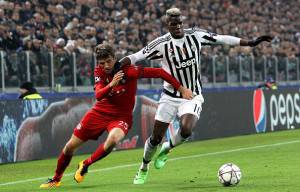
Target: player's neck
174,37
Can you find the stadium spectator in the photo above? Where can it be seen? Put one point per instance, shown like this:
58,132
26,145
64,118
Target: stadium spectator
28,91
269,84
115,94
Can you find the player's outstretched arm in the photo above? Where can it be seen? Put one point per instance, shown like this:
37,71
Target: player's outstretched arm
212,38
160,73
257,41
130,59
123,62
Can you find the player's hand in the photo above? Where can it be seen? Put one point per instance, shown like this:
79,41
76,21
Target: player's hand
260,39
117,78
186,93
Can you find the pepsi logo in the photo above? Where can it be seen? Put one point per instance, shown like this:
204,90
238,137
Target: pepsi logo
259,111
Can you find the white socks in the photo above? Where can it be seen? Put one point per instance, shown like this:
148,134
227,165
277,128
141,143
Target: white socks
149,149
177,139
149,152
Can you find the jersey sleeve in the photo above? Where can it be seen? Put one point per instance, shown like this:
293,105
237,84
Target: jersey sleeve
133,71
209,38
159,73
101,88
152,51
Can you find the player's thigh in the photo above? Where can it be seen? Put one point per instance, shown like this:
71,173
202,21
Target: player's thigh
114,137
193,107
166,112
91,126
122,123
117,129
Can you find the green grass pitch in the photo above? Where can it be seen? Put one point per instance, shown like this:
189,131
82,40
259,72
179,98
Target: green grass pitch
269,162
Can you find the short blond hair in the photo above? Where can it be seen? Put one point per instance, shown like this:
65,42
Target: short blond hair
172,12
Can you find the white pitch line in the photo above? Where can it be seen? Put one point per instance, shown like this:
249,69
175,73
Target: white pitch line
172,159
234,150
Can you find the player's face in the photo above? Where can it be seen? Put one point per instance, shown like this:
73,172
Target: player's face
175,27
107,64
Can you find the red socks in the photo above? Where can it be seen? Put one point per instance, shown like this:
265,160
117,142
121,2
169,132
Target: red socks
97,155
64,160
62,163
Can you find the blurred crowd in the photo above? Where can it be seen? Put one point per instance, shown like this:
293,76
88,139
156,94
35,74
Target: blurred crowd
80,25
67,26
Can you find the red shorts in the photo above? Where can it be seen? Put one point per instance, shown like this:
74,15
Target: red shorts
93,124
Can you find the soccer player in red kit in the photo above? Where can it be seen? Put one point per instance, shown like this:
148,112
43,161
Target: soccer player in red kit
115,94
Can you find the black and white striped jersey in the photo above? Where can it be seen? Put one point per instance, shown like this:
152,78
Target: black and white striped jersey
180,57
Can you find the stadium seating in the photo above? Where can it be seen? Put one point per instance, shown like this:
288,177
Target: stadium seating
67,27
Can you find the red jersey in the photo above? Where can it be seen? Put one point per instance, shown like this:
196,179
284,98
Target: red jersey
120,99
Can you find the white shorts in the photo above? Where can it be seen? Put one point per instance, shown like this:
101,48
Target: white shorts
169,107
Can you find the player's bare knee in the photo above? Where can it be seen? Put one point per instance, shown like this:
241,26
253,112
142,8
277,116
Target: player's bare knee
188,122
113,143
112,140
69,149
115,139
110,144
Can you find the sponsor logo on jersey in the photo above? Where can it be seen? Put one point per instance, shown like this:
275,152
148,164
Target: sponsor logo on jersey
186,63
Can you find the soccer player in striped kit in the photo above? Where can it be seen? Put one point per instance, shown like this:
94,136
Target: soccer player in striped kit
179,52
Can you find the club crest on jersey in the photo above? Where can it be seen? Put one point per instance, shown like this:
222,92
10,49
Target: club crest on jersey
79,126
97,79
183,50
171,50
